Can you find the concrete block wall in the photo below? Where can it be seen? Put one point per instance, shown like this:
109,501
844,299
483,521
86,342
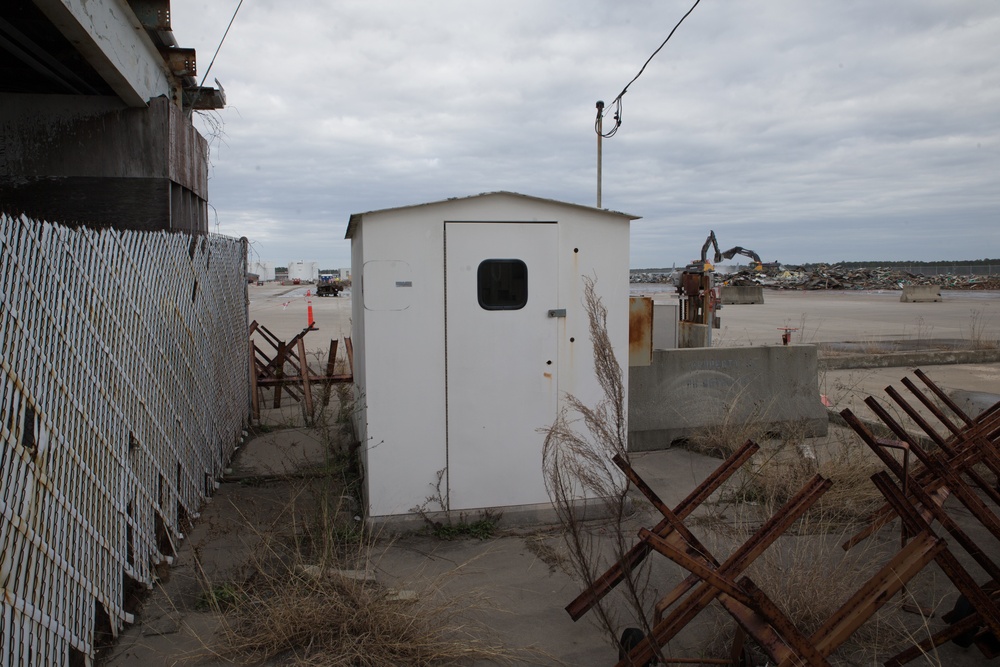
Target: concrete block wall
687,391
741,294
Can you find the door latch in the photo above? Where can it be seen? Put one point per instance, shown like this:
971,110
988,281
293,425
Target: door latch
557,312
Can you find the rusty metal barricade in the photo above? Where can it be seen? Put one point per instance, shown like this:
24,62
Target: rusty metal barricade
919,498
285,368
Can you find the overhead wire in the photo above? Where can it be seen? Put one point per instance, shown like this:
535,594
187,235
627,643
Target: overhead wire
223,41
214,56
617,102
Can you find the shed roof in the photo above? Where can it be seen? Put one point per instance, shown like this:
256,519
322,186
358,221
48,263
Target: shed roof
355,219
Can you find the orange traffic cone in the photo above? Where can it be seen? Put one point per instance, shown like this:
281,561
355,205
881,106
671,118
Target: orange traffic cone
309,312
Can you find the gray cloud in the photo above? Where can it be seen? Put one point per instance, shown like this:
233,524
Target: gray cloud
807,131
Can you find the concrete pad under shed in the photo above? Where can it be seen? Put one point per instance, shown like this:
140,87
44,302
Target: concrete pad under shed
684,392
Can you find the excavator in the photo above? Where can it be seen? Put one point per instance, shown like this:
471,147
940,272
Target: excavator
711,241
699,296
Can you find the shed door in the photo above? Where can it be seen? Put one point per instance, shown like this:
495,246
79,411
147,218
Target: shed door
501,282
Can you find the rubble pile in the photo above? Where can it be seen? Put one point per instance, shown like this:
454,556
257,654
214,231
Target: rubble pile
836,276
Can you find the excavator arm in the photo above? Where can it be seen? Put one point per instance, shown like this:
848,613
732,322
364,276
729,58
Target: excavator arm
710,241
739,250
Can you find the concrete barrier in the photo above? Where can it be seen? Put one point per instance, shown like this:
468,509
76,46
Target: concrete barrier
974,403
690,391
690,335
665,325
920,293
737,295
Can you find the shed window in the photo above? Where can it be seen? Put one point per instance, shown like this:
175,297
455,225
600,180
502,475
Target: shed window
503,284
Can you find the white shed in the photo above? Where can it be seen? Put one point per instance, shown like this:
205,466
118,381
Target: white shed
469,329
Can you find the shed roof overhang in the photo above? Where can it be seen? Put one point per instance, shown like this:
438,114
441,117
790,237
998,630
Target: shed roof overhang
355,218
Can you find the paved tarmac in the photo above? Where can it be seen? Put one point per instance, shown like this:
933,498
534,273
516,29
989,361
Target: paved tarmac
523,574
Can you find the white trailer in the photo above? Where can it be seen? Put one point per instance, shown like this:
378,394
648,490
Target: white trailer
469,330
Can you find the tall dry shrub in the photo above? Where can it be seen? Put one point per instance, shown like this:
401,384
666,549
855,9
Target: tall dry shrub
582,481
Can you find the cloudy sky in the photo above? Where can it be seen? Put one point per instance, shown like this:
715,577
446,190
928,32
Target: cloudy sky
809,131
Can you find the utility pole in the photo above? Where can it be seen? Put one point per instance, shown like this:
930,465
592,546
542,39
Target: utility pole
600,136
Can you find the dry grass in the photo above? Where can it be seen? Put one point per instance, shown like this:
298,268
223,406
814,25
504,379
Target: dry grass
979,331
307,595
785,464
806,572
322,617
808,576
576,459
734,425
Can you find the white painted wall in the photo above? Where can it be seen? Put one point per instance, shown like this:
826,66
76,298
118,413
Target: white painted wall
398,269
264,270
303,270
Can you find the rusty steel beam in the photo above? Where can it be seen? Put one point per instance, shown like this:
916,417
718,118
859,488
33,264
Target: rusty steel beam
304,372
601,586
691,606
943,397
697,562
750,622
959,436
956,484
676,524
875,592
927,645
802,651
293,380
331,358
254,398
945,559
933,485
930,406
918,419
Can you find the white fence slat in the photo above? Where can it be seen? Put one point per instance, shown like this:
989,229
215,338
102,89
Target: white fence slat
122,384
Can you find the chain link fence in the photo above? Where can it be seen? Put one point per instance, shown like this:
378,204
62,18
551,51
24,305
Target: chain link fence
123,392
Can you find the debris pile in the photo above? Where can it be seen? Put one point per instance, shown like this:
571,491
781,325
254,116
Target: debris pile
836,276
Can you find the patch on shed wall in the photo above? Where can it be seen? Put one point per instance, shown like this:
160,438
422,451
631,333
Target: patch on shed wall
387,284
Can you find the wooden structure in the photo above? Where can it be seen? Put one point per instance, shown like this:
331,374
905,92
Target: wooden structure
285,368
